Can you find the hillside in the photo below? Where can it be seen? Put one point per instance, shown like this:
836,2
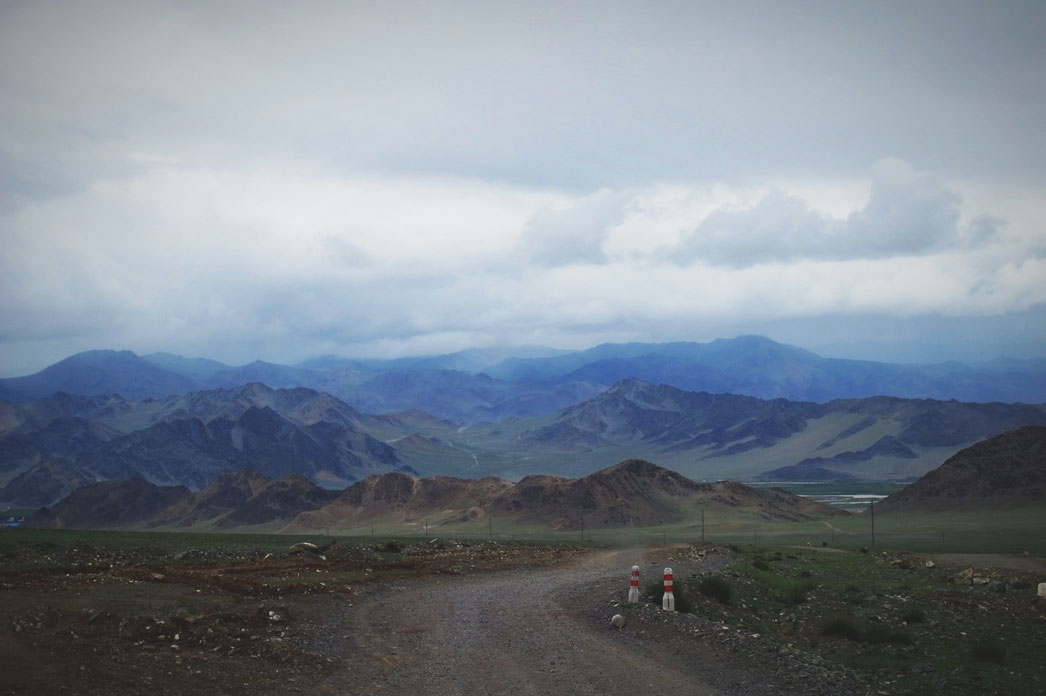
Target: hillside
705,435
241,498
633,493
1005,471
53,444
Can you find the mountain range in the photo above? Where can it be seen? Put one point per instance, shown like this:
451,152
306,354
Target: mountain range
176,421
485,386
632,493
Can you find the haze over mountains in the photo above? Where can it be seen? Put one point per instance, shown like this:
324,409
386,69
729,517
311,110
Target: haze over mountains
485,386
186,422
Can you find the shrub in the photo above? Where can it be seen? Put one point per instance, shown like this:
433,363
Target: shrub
914,616
795,593
842,625
989,651
878,633
760,564
716,588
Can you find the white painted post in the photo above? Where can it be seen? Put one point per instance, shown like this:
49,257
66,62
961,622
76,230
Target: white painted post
633,586
668,602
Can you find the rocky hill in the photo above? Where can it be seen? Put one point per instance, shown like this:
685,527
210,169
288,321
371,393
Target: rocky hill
1006,471
51,445
633,493
242,498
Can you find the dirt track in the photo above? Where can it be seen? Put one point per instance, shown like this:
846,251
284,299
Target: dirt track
502,634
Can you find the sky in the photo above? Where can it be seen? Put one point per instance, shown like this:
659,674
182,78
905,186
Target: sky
277,181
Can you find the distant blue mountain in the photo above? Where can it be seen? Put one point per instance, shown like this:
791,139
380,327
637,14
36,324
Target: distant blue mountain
97,372
757,366
466,387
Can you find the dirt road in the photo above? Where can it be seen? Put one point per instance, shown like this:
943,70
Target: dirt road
500,634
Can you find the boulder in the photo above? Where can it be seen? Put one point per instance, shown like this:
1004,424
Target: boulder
996,586
1042,590
965,576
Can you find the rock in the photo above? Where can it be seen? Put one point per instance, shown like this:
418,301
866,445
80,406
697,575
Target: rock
864,549
389,547
996,586
931,564
980,580
1042,590
617,621
965,576
304,546
902,563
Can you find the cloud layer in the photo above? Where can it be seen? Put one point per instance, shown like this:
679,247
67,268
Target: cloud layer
266,182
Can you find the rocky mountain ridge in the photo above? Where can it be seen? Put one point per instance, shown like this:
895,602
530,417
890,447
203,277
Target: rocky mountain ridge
632,493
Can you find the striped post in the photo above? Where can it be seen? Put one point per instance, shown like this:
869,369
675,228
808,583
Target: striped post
668,602
633,586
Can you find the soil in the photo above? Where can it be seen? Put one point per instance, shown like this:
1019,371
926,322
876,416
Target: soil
425,617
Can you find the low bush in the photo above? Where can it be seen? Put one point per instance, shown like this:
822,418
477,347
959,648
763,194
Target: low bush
989,651
878,633
717,588
794,593
760,564
913,616
842,625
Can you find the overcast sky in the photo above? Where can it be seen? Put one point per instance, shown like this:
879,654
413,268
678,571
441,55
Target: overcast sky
282,180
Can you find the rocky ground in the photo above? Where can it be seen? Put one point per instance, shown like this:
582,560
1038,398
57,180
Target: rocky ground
494,618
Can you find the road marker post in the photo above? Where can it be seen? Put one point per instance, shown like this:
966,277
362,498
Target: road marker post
668,602
633,586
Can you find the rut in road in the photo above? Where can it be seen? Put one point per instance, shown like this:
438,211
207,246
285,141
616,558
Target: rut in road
498,634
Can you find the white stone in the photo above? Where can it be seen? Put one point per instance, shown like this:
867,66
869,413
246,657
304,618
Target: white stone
1042,590
618,621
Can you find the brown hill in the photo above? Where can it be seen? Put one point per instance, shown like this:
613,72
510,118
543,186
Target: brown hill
1006,470
632,493
637,493
110,504
403,497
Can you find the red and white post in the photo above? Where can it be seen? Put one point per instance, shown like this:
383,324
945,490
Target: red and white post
633,586
668,602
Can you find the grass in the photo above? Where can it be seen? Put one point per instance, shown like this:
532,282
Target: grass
908,628
716,588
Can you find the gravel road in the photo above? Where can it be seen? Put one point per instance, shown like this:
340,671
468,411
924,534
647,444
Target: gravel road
539,632
497,634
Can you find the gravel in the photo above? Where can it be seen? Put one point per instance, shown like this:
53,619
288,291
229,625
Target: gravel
547,631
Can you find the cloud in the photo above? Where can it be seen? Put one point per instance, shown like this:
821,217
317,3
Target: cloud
573,231
907,213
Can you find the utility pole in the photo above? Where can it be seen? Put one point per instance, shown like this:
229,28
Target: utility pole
702,525
871,506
